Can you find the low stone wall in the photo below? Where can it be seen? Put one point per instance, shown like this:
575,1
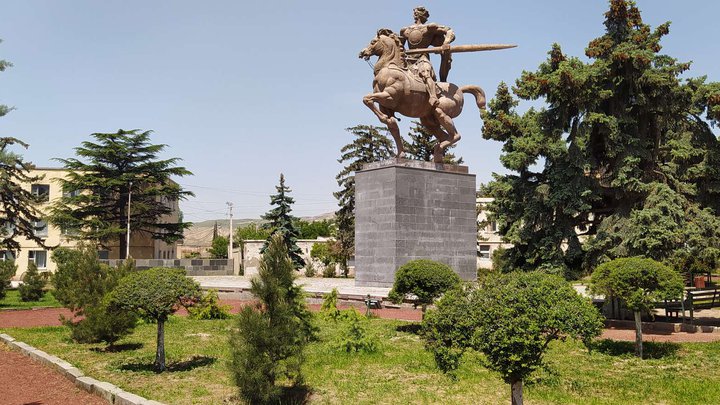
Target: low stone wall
193,267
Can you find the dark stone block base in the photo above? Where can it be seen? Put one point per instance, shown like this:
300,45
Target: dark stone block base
407,210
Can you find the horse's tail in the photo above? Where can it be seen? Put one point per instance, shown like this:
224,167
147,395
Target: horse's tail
477,92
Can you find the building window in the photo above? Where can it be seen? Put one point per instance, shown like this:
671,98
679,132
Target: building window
42,191
41,228
71,231
103,255
73,193
7,255
7,229
39,257
484,251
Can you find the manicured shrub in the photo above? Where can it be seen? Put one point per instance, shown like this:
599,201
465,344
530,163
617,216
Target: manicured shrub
154,295
7,271
81,284
209,307
639,282
268,340
511,319
424,279
32,288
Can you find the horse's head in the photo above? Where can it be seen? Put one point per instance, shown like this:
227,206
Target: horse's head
385,43
373,48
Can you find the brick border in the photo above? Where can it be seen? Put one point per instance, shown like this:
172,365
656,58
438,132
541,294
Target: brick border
105,390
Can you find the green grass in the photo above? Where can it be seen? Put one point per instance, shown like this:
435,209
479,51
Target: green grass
400,372
12,301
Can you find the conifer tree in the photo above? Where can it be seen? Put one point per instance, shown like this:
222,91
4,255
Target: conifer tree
18,212
95,200
371,144
422,145
623,152
281,222
268,340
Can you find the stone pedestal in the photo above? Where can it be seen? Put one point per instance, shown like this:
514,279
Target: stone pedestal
407,210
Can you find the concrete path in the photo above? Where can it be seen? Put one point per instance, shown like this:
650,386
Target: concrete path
313,286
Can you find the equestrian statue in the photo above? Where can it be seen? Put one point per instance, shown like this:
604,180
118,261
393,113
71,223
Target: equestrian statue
405,81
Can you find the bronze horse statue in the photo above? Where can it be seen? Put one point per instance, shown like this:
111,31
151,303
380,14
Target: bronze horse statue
396,89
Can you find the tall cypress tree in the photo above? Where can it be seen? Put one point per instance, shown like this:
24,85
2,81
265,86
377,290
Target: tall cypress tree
280,221
371,144
18,211
625,150
422,145
95,200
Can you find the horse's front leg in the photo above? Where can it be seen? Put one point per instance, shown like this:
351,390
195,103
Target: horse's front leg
386,116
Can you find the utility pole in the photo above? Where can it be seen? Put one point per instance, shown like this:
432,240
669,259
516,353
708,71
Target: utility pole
230,246
127,247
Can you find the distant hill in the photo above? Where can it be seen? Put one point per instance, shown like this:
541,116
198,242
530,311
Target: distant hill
200,233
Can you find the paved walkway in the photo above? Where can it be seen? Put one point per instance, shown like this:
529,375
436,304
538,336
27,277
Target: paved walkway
345,286
25,381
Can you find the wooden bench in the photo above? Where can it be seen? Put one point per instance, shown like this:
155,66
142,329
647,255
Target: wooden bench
694,300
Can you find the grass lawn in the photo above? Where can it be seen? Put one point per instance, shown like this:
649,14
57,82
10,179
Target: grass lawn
400,372
12,301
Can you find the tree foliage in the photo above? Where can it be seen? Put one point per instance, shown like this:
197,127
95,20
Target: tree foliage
281,222
511,319
154,295
8,268
81,284
18,206
424,279
268,340
219,248
623,151
422,145
106,170
640,283
314,229
33,286
371,144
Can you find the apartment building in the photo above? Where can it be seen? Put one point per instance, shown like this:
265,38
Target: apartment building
48,188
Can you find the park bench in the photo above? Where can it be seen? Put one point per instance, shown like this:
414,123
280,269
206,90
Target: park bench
373,303
694,300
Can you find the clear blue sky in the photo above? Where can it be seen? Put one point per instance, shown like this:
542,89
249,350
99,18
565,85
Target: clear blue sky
242,91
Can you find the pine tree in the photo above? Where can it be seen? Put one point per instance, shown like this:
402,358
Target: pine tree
371,144
95,201
422,146
280,221
625,153
268,340
17,205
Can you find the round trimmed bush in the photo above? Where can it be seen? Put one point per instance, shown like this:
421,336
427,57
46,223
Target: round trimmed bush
426,279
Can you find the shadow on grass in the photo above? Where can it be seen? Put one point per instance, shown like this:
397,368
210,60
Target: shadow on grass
297,395
413,328
187,365
118,348
651,350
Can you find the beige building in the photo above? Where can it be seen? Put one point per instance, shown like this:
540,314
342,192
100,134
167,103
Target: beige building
141,246
488,238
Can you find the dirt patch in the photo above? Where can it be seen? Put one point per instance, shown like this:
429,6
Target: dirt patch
24,381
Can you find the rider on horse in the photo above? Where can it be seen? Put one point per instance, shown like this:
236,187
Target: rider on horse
421,35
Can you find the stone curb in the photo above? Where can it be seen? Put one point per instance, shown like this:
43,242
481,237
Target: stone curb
105,390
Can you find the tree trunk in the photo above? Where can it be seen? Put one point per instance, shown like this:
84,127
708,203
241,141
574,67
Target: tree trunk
160,353
638,335
516,392
424,308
